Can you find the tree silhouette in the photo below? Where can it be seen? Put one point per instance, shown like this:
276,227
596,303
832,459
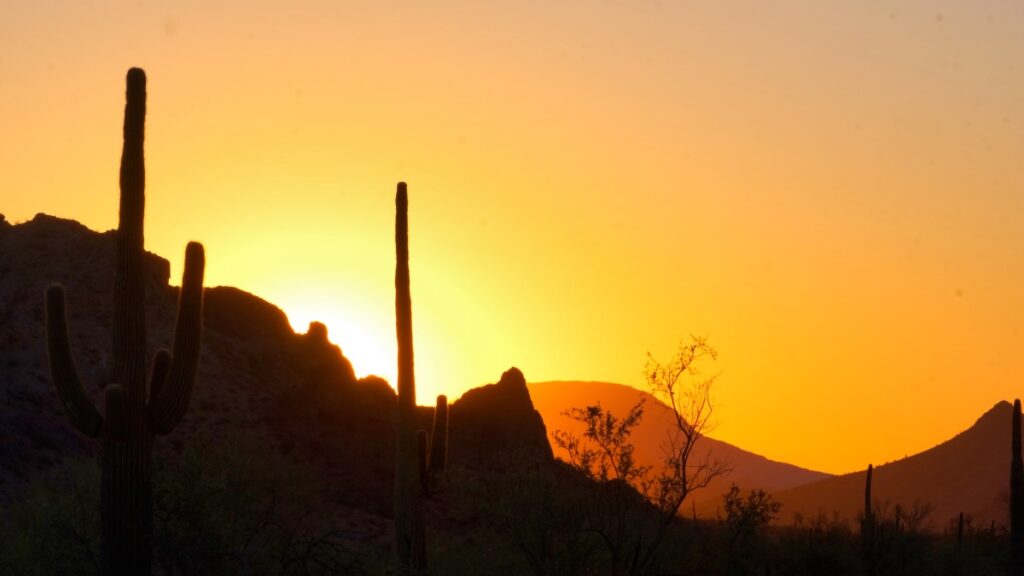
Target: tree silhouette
636,506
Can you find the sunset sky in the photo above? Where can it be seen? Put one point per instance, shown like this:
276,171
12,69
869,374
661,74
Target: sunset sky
832,192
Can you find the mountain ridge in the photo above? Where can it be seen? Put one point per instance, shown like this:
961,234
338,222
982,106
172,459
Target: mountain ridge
967,473
750,470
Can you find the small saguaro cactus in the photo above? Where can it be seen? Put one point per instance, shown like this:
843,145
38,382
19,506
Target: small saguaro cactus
132,416
867,528
439,437
410,538
1016,496
868,517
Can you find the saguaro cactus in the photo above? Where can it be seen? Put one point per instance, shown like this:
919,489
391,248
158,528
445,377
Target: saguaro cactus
409,520
1016,496
439,437
132,416
868,517
867,528
423,460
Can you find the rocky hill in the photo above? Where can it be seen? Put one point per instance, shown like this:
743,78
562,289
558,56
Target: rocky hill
294,392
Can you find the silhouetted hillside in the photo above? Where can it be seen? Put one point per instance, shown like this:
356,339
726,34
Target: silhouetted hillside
968,473
285,459
295,393
749,470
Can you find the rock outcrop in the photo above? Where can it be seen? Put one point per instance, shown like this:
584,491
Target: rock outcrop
495,419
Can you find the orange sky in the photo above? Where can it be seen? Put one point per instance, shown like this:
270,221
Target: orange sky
832,193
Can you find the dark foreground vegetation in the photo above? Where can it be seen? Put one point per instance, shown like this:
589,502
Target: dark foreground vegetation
233,507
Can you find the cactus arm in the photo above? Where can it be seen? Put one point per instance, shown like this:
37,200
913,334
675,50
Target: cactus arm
79,407
439,437
168,407
161,365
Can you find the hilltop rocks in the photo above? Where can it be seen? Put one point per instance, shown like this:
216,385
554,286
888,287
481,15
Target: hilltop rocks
238,314
325,360
498,418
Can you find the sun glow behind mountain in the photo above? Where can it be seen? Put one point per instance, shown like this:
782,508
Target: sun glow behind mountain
366,343
830,192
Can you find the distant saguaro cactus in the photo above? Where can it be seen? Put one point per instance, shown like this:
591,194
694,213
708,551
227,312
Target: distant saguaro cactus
867,528
439,437
410,537
1016,496
868,517
132,417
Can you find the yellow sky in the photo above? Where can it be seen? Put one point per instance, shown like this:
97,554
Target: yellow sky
832,192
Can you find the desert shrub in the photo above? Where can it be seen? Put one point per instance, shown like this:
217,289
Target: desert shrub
235,506
55,528
529,517
819,545
224,506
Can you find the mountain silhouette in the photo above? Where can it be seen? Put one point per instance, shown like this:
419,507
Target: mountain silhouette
295,392
749,470
969,473
297,402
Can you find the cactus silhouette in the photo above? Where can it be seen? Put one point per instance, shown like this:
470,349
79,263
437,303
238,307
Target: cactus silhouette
439,437
868,519
1016,496
409,518
422,458
131,417
867,528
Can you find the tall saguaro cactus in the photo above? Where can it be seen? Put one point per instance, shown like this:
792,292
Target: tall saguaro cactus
132,417
409,519
1016,496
